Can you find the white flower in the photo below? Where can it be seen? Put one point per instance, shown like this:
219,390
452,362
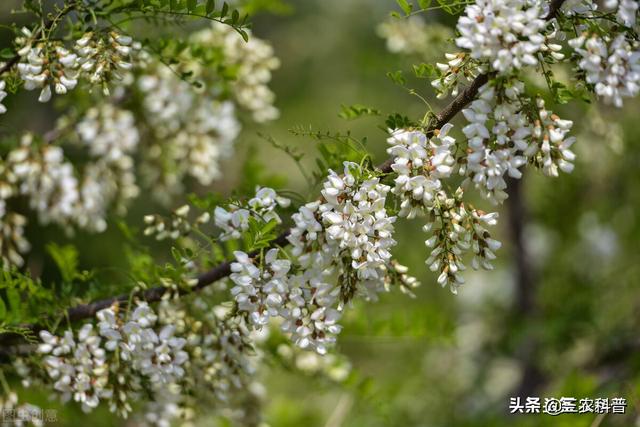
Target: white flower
613,67
260,292
507,33
420,164
43,68
3,95
261,207
193,131
108,132
253,61
104,57
626,13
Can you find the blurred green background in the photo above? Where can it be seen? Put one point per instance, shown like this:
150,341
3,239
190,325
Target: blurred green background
564,322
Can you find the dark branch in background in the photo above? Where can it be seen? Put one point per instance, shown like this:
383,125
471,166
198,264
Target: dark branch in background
224,270
524,307
9,64
554,8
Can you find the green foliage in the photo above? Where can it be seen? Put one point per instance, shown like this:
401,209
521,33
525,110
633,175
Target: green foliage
451,7
66,259
260,234
399,121
22,299
255,173
334,148
425,71
397,77
356,111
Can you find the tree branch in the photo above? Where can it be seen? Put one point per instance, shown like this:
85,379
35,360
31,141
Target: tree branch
224,269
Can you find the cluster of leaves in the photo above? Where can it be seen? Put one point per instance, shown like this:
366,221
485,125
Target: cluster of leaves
450,7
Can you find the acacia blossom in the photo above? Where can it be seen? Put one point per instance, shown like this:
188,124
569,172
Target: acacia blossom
506,33
261,207
612,66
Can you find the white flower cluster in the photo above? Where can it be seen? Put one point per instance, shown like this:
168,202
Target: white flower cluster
506,33
550,134
49,66
108,364
42,66
104,57
262,206
420,163
222,356
12,240
413,36
3,95
178,225
626,11
111,137
253,61
502,138
356,221
159,356
457,71
57,194
612,66
348,234
456,230
498,139
260,292
48,180
192,131
78,366
108,132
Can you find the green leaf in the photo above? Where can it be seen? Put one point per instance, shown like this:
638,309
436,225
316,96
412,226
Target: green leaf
3,310
405,6
357,110
15,304
397,77
211,5
191,5
66,259
425,71
424,4
225,10
7,53
398,121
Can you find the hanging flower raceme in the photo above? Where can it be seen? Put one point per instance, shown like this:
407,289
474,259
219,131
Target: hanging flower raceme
46,65
498,139
104,57
260,292
109,362
507,34
455,230
612,66
420,163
